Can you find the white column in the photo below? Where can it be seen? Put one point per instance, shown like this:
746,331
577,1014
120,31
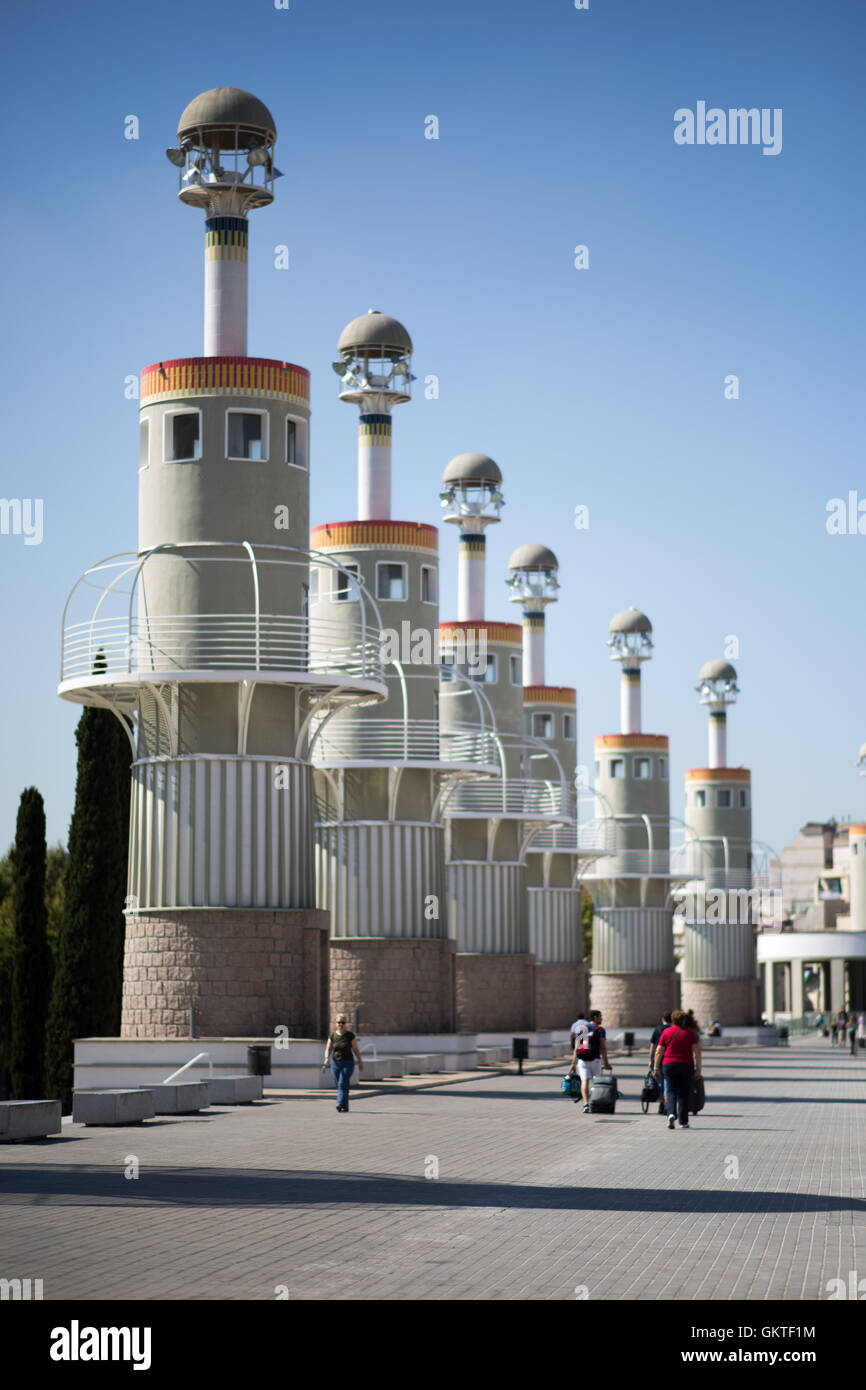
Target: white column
857,877
374,468
470,579
629,702
225,287
718,739
533,649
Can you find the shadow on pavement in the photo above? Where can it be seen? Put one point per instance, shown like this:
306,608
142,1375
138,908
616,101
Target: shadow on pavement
232,1187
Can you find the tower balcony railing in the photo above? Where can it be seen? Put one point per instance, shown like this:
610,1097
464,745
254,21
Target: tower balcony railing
593,838
124,636
514,797
370,739
633,863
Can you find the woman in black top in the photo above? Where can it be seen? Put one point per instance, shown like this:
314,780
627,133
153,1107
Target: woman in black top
340,1047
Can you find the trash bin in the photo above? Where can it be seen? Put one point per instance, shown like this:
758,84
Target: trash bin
628,1041
259,1060
519,1052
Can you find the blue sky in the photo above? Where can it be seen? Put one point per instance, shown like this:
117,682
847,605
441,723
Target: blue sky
602,387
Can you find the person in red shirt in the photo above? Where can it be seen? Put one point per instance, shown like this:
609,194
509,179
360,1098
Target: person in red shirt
679,1051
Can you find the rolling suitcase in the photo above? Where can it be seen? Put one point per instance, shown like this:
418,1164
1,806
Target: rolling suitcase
603,1094
697,1095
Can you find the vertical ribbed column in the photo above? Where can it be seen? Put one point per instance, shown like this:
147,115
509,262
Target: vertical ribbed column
374,468
857,877
225,287
470,578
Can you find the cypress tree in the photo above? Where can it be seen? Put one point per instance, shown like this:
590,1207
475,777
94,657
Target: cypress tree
31,959
87,983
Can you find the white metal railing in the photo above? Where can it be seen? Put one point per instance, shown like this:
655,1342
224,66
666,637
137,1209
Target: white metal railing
217,641
118,634
199,1057
510,796
368,738
627,862
597,837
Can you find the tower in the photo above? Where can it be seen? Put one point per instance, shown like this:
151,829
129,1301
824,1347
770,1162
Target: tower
550,714
489,824
380,842
202,640
633,979
720,965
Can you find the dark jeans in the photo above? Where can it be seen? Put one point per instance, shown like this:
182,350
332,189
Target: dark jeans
678,1083
341,1072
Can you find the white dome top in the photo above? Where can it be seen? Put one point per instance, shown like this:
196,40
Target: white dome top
630,620
375,330
533,557
717,671
472,468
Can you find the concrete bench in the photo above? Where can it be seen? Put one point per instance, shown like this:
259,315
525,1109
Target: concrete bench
179,1097
493,1056
21,1120
235,1090
112,1107
417,1063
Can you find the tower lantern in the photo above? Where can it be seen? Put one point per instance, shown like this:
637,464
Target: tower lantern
533,583
630,642
717,687
225,162
472,499
375,371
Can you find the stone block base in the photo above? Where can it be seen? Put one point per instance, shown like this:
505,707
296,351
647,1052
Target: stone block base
244,972
733,1002
495,993
560,994
634,1000
392,985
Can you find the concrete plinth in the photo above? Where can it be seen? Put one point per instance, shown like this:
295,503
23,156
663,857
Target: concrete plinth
560,994
495,992
21,1120
180,1097
733,1002
235,1090
391,985
244,971
633,999
112,1107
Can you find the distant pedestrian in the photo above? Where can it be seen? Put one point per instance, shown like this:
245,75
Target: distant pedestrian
590,1054
861,1030
678,1058
657,1032
834,1031
852,1031
691,1022
340,1047
714,1030
819,1021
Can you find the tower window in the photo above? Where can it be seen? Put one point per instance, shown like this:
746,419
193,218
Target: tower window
428,584
744,799
542,725
314,583
663,769
344,590
723,797
390,581
448,669
144,445
643,769
183,436
246,434
700,797
515,664
617,767
568,726
488,674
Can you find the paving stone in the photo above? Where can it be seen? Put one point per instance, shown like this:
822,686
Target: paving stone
533,1198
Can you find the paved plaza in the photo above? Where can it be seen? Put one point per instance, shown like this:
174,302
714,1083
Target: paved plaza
762,1198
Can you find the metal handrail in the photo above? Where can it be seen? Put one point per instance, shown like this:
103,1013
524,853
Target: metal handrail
199,1056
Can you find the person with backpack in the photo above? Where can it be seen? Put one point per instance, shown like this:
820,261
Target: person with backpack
678,1058
657,1032
590,1053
